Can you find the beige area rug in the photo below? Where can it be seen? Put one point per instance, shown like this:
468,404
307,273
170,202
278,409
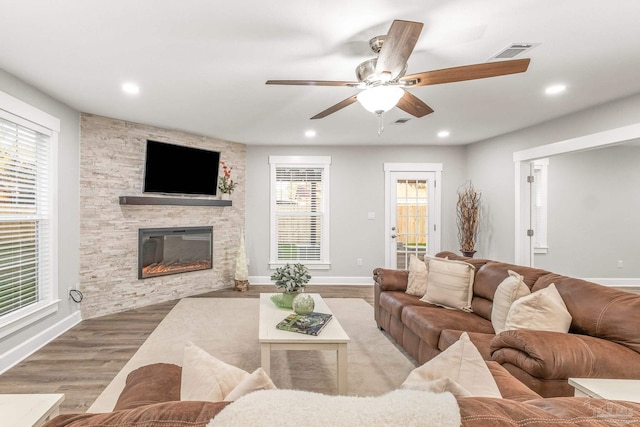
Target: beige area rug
228,329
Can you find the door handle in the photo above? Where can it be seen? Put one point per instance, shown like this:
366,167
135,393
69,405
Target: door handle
393,236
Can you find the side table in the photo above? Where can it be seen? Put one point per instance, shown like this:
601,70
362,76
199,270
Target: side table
611,389
28,410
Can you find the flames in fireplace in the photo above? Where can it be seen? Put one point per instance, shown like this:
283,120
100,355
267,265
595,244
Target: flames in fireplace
162,268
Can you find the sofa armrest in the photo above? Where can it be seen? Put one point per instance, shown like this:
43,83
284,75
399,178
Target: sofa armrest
174,414
554,355
391,280
154,383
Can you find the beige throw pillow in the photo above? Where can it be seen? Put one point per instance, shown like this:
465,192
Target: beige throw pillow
543,310
258,380
206,378
418,276
450,284
465,371
509,290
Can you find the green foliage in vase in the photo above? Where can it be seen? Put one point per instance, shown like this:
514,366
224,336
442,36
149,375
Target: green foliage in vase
291,277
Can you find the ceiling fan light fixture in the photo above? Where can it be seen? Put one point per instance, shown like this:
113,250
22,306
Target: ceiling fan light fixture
380,99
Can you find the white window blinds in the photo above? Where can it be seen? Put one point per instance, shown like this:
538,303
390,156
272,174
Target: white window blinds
299,213
24,216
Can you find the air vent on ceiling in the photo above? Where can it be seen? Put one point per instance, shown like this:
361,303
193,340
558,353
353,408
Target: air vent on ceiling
514,50
401,121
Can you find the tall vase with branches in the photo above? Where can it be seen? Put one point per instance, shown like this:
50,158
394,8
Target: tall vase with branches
468,215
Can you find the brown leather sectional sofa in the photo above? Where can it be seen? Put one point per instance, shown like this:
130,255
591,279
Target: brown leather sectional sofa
151,397
603,340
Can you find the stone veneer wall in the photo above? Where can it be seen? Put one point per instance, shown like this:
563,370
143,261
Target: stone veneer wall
112,154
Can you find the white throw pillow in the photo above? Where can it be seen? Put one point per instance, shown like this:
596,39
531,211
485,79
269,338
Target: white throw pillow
206,378
418,276
509,290
543,310
462,365
258,380
450,284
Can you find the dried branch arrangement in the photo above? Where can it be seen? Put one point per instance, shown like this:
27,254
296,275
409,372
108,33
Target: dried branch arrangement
468,213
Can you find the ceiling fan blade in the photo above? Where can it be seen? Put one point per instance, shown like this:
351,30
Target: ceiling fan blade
467,72
413,105
339,106
311,83
397,47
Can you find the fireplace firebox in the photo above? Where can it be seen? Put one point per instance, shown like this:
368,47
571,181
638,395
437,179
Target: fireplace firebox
163,251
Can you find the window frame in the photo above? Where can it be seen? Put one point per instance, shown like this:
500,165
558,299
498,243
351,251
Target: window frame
28,116
315,162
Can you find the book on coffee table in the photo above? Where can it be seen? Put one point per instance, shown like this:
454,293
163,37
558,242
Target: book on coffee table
310,324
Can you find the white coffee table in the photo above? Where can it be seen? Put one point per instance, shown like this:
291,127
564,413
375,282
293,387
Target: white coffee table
611,389
332,337
28,410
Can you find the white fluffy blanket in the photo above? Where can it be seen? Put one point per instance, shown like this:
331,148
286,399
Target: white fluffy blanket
303,408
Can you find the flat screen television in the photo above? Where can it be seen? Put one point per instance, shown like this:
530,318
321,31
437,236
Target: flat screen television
176,169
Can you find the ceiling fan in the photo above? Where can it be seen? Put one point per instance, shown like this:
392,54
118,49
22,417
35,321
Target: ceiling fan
383,78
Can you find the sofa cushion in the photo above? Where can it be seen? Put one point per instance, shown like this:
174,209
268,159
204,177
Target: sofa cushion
418,276
428,322
542,310
565,411
509,290
450,284
462,364
394,302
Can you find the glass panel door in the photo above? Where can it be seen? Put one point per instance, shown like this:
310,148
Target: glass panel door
411,217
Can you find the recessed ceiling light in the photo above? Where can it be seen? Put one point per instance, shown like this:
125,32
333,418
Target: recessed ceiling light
444,133
310,133
131,88
555,89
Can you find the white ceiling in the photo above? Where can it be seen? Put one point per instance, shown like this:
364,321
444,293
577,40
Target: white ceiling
202,64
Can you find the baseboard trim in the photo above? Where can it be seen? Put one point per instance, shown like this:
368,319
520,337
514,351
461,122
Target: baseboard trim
33,344
321,280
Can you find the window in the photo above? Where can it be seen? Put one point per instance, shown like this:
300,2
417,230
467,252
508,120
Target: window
300,211
539,205
27,229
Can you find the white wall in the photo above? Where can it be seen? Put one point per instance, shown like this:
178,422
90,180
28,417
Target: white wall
357,187
594,202
491,166
22,341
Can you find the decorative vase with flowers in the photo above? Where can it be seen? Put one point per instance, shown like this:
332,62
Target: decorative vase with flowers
226,185
291,279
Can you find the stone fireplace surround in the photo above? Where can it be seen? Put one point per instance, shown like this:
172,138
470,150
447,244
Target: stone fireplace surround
111,166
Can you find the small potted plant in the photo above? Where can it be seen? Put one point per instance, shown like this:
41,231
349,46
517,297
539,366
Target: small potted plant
291,279
226,184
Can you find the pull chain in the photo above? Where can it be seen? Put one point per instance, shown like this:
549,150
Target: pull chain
380,123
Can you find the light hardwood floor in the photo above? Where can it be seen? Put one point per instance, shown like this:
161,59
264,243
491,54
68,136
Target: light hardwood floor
83,361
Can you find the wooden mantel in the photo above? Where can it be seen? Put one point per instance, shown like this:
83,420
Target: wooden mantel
176,201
